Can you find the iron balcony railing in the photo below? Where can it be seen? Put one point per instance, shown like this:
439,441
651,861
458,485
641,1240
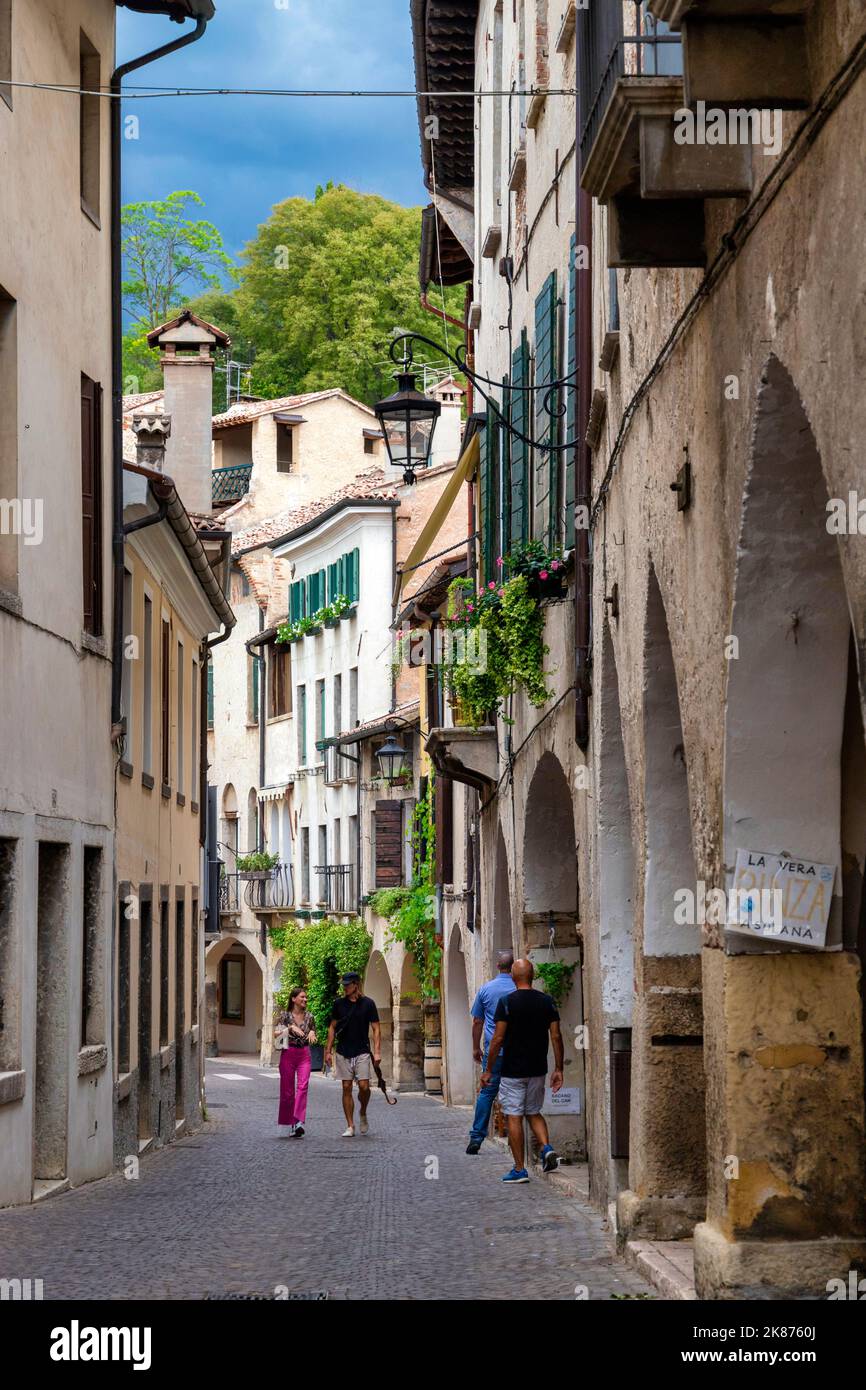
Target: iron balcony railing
229,893
230,484
337,892
274,894
611,46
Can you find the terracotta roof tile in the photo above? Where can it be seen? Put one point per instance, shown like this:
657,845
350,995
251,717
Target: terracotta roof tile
242,412
368,486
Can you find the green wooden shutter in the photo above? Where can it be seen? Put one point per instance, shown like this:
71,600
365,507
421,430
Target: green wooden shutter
545,520
505,478
571,397
296,600
354,559
210,695
484,519
255,690
519,450
333,581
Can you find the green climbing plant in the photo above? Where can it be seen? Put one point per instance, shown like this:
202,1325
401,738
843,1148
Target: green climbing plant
315,956
556,978
410,911
497,646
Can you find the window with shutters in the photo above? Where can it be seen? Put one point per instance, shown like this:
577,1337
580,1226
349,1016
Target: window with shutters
280,663
128,659
320,720
252,688
570,458
194,752
165,708
210,694
520,452
181,766
338,705
147,700
546,501
333,581
315,592
91,504
90,121
302,726
297,600
8,432
352,575
388,844
305,864
353,697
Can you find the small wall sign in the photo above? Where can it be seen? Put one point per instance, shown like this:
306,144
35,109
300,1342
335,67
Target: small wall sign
567,1101
781,898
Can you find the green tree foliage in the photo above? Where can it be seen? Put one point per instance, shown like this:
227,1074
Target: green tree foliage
167,256
315,956
323,285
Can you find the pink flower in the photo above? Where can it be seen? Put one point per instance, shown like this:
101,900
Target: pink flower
491,585
543,574
555,565
471,607
502,593
499,561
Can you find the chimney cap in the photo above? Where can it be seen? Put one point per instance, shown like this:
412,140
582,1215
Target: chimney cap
188,330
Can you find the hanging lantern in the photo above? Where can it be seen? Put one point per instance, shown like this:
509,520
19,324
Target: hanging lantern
408,420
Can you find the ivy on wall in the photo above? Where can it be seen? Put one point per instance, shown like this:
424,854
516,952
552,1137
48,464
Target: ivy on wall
315,955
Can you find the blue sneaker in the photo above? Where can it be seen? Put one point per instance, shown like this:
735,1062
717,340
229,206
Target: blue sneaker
549,1159
516,1175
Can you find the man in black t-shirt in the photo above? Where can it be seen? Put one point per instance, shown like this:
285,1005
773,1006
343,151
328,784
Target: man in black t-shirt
524,1021
352,1018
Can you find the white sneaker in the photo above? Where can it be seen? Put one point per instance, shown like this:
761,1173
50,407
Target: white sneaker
365,1128
349,1132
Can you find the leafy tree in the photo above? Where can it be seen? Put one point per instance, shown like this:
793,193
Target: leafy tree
323,285
168,255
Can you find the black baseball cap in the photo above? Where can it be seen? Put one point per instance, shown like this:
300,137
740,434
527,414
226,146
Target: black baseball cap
351,977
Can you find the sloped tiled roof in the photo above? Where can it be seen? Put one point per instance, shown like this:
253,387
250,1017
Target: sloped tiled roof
242,412
370,486
133,403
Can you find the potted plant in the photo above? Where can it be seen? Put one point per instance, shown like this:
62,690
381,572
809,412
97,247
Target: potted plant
329,616
545,568
256,867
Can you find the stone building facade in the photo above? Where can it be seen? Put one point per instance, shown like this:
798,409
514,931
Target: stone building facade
709,662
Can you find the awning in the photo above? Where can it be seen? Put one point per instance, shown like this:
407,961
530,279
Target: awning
464,470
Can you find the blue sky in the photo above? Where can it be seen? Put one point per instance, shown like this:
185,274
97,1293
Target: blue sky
243,154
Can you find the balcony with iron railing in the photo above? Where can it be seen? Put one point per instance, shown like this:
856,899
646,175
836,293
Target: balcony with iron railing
337,886
275,893
230,484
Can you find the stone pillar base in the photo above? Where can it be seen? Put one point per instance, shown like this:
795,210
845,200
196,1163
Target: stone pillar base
656,1217
772,1269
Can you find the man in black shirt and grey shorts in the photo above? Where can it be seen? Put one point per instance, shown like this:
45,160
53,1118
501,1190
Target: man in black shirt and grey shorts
524,1023
352,1018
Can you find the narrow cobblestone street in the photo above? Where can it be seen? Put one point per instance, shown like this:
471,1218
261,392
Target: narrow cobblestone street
236,1209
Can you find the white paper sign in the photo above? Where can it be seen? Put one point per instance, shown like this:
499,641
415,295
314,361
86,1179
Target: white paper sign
567,1101
781,898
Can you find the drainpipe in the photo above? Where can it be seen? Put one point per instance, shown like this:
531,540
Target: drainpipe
117,78
260,658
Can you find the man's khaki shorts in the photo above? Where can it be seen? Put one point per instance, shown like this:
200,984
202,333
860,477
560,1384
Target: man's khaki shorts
358,1068
521,1095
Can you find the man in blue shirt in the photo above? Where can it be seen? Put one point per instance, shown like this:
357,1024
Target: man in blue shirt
483,1011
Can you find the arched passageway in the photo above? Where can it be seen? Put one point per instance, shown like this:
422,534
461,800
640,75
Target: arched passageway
550,931
501,936
793,786
460,1074
408,1030
616,904
377,984
233,995
667,1144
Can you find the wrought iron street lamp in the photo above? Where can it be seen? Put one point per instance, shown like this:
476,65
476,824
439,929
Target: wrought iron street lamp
408,420
391,757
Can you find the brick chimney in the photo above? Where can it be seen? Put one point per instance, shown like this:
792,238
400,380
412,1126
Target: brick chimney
187,345
151,432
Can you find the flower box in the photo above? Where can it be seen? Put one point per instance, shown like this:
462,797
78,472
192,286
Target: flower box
331,622
313,631
349,612
255,875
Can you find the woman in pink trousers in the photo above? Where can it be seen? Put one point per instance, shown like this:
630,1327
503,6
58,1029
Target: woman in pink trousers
296,1029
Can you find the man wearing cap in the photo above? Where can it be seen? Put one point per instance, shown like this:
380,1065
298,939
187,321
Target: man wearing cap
352,1018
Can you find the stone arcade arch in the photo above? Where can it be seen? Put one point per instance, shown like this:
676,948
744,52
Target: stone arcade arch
243,981
408,1031
550,923
667,1146
460,1072
377,984
501,934
792,1112
615,869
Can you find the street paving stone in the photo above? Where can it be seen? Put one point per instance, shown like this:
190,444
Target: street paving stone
238,1210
